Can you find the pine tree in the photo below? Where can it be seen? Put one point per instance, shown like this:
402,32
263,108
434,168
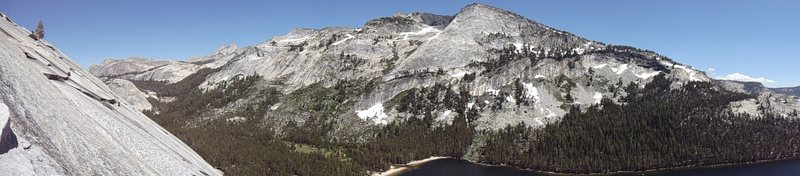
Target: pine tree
39,34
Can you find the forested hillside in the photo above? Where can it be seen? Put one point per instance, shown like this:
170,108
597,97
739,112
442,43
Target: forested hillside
654,127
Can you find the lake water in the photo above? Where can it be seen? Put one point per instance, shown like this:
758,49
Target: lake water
466,168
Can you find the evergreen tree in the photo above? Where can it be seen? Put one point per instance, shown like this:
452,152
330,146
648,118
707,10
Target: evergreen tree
38,34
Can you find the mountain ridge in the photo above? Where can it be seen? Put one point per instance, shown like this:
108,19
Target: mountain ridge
427,50
787,90
486,75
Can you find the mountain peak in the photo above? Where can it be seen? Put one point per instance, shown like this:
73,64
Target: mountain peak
481,18
479,6
477,26
483,9
226,49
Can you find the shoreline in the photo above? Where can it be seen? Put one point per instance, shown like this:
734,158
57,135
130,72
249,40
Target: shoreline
414,164
700,167
411,165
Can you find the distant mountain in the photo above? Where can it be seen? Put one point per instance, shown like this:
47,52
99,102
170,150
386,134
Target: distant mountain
787,90
57,119
485,84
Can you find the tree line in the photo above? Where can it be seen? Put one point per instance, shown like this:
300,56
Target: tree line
656,127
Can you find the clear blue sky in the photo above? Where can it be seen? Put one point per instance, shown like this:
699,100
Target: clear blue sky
759,38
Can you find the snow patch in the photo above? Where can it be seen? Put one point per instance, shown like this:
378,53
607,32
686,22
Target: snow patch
422,31
374,114
551,114
292,40
600,66
4,119
347,37
236,119
531,92
459,74
648,75
597,97
511,99
689,71
493,91
274,107
445,117
447,112
578,51
518,47
621,69
539,76
470,105
486,101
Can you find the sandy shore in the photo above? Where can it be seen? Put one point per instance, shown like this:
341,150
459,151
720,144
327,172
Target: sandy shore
393,171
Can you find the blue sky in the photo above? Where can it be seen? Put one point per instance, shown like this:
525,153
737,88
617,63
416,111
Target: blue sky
753,38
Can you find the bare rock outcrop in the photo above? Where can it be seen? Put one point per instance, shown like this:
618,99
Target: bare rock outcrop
76,125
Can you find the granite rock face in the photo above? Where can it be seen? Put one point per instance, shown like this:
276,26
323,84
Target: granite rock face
58,119
407,51
128,91
766,99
